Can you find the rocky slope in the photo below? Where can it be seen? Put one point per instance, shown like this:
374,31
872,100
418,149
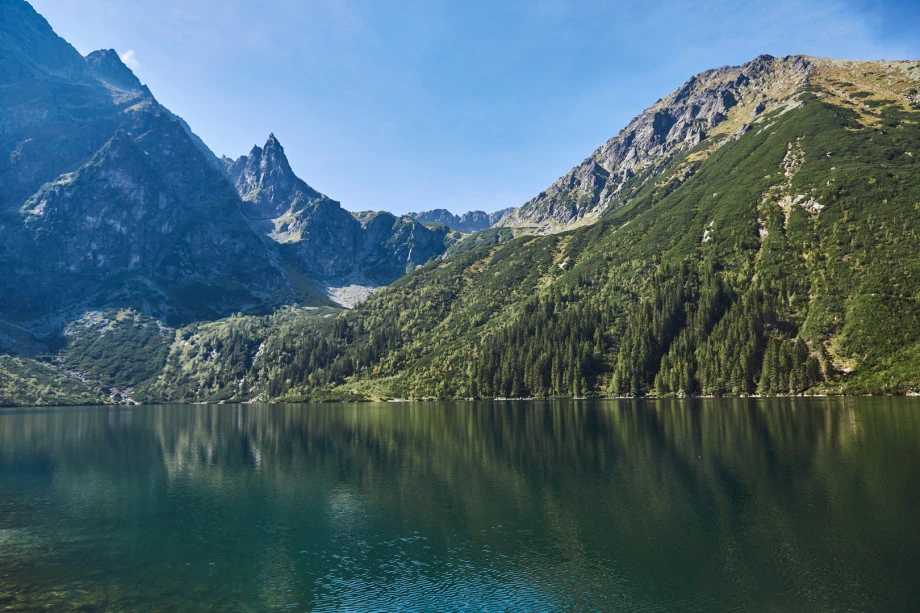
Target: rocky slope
328,243
774,257
58,108
110,200
717,102
146,222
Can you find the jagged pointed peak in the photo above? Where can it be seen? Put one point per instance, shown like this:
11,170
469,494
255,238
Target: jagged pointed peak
266,182
273,155
273,144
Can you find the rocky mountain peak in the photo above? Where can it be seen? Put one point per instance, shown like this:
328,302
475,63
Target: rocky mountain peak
266,182
106,66
274,160
716,102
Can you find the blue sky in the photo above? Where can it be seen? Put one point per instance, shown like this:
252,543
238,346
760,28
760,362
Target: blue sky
460,104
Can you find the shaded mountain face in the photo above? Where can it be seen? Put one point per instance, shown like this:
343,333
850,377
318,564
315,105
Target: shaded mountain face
109,199
146,222
776,256
715,103
107,195
58,108
471,221
318,236
55,114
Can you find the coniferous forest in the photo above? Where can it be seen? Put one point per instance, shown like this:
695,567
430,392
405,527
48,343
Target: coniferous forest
700,285
774,254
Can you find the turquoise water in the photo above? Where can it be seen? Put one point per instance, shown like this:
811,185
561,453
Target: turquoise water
765,505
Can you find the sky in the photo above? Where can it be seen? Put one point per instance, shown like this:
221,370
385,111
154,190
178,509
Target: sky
412,105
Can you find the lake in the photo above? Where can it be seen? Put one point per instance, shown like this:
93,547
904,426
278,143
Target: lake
753,504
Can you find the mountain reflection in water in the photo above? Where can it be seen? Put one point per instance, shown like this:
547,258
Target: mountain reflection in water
792,504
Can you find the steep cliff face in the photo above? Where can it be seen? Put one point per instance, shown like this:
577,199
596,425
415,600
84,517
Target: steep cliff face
146,219
57,108
710,102
324,240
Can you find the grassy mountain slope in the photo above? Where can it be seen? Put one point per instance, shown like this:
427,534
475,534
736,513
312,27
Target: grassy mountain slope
28,382
774,258
780,263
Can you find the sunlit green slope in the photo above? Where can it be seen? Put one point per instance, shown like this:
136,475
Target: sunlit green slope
783,261
775,257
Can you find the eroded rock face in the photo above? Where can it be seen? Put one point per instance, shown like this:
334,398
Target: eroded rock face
267,184
317,235
674,124
57,108
147,212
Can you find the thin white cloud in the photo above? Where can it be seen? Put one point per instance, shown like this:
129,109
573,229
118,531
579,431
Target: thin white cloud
130,59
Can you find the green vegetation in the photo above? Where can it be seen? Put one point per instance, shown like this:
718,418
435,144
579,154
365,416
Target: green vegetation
483,238
783,264
117,348
30,382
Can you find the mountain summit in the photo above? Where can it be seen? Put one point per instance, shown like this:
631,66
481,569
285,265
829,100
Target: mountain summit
753,233
713,105
267,184
317,235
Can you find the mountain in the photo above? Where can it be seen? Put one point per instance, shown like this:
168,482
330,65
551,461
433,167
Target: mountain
774,256
109,200
267,184
712,105
58,108
752,232
145,222
471,221
323,240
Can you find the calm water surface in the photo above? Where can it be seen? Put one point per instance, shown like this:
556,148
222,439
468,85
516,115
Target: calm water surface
765,505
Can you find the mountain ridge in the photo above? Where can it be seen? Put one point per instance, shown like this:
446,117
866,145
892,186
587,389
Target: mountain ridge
337,247
471,221
677,122
751,233
772,258
84,196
